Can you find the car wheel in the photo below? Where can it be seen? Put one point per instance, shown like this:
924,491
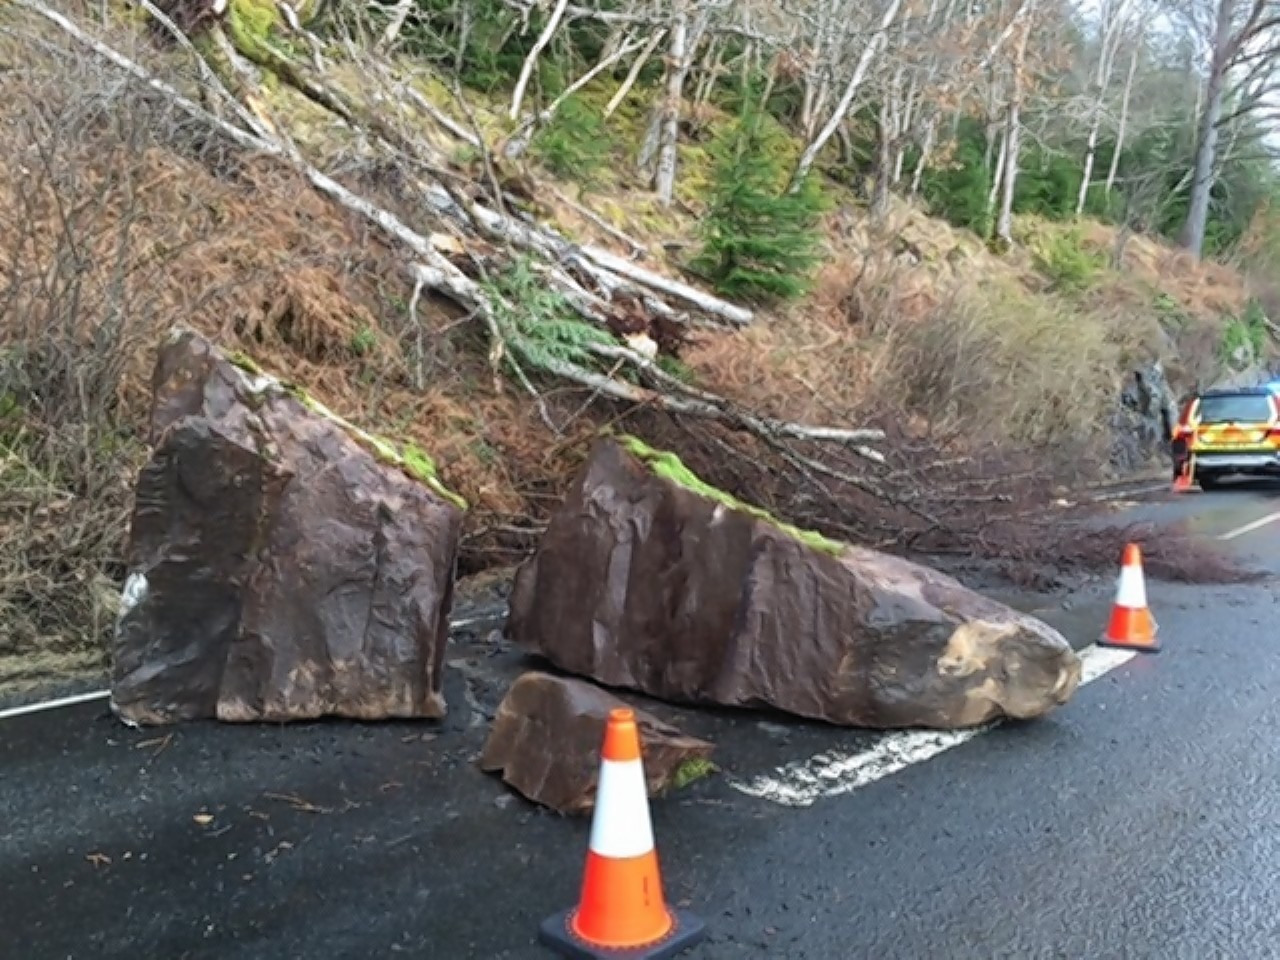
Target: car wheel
1208,481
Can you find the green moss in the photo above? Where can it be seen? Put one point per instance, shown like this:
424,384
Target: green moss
128,14
408,458
695,166
692,771
246,362
670,467
418,463
251,23
306,11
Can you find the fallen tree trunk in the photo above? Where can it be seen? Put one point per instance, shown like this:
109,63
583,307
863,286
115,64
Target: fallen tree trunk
614,274
698,298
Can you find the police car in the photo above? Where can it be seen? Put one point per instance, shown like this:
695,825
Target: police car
1225,433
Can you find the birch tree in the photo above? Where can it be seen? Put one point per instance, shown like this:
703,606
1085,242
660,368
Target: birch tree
531,61
1013,126
854,84
1114,20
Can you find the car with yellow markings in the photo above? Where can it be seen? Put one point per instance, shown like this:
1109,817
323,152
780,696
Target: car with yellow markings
1224,433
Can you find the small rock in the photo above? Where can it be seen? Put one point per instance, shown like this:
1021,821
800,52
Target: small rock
547,736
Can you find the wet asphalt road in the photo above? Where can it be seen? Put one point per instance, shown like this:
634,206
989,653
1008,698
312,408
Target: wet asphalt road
1140,821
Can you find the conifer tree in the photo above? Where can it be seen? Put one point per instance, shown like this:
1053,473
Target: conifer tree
760,241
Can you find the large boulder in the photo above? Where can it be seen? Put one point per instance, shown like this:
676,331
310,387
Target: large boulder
648,579
281,564
547,736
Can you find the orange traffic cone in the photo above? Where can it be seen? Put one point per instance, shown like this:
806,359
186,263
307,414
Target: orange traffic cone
1184,481
1132,626
621,914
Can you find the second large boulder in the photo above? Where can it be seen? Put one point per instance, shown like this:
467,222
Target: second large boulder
648,579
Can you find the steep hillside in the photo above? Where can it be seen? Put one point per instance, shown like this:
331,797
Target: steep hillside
992,376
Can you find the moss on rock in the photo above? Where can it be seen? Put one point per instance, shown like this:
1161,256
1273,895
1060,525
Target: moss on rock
667,465
691,771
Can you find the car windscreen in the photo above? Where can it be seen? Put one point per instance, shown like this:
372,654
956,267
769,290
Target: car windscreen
1238,408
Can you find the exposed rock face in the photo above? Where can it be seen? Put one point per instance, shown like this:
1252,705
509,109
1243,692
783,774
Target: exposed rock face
1142,422
278,569
547,736
640,583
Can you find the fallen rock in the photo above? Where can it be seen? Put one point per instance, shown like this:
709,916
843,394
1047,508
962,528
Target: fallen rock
648,579
281,564
547,736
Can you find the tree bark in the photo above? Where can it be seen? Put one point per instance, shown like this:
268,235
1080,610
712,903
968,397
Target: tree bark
531,61
1124,120
926,148
1114,18
1013,132
669,136
634,73
1203,173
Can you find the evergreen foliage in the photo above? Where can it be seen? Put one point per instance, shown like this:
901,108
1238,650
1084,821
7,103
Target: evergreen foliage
538,325
760,241
576,144
1063,257
957,191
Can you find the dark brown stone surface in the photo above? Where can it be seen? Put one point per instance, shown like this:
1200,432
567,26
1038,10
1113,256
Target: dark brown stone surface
547,736
278,569
642,584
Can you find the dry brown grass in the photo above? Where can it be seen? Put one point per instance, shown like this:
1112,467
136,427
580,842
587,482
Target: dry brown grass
914,317
993,361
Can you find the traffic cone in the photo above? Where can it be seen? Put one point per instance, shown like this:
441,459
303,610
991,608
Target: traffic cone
621,914
1132,626
1184,481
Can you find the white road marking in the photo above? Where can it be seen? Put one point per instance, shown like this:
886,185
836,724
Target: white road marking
53,704
834,772
1250,527
1133,492
472,621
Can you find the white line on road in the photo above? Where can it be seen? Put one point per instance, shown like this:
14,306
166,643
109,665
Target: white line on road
1250,527
53,704
1135,492
833,773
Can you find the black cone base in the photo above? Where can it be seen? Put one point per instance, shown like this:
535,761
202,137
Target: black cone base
554,932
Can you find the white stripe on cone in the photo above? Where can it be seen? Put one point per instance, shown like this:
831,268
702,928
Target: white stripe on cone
1132,591
620,827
